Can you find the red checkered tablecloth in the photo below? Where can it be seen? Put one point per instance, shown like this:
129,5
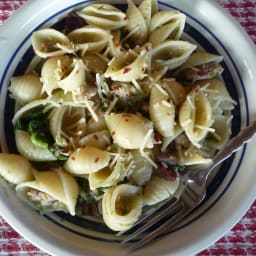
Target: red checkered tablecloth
240,240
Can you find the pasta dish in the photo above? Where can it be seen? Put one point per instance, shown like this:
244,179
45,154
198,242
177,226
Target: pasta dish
111,109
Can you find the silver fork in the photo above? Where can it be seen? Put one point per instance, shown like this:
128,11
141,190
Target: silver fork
193,193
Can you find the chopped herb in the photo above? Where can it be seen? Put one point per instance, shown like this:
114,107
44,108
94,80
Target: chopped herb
175,166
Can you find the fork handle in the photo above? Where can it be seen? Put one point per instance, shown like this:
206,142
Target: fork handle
235,144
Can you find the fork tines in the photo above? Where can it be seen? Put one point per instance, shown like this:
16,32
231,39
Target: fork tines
152,217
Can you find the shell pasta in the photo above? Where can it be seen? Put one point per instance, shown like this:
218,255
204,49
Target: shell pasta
118,103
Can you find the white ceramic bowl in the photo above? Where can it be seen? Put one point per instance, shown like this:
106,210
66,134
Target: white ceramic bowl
229,194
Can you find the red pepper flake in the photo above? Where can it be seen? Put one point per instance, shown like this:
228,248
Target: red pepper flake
113,133
126,70
116,87
157,137
197,89
96,159
95,136
77,72
73,158
117,44
126,115
126,17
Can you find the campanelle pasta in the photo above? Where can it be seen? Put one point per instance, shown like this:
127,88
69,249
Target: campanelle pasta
116,105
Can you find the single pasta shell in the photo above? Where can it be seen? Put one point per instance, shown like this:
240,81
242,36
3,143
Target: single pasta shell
171,53
166,24
163,17
195,117
162,112
71,190
146,8
50,183
136,23
15,168
103,15
199,58
65,122
142,169
90,38
53,71
25,88
49,42
192,158
128,130
122,206
159,189
29,150
98,139
175,89
119,70
107,176
55,124
58,184
87,160
217,91
221,133
76,78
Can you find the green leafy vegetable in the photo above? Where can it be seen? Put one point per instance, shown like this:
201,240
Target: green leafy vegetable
174,166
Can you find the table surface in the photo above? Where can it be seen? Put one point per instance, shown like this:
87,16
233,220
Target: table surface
240,240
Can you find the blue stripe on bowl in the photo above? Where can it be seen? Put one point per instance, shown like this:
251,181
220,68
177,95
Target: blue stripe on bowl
213,186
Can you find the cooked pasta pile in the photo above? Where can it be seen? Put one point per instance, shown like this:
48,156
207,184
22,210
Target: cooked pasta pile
111,109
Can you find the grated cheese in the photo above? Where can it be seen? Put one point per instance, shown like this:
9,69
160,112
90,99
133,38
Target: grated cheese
111,106
137,86
205,128
166,103
156,105
159,87
145,155
143,145
190,101
187,122
92,112
112,163
131,33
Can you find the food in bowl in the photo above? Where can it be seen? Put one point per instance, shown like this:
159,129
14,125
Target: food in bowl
111,109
